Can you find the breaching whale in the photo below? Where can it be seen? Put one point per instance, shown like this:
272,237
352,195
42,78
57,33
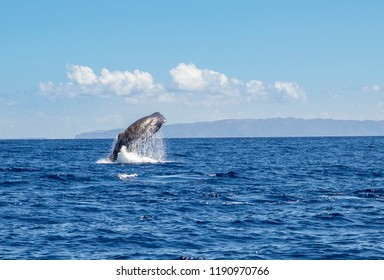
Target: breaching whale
137,133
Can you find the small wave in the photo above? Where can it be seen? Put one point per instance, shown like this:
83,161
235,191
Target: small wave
123,176
370,193
104,161
228,203
190,258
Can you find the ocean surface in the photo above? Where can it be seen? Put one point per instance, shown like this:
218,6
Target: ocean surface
223,198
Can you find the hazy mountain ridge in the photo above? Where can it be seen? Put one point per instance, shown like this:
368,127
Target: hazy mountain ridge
274,127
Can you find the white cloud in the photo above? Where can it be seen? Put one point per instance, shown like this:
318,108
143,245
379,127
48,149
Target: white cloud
83,81
126,83
82,75
290,90
255,86
257,89
215,80
46,87
139,86
188,77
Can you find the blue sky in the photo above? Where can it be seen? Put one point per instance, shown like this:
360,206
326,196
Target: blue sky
72,66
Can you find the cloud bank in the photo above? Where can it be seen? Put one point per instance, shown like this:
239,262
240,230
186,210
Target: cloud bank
82,80
187,77
189,84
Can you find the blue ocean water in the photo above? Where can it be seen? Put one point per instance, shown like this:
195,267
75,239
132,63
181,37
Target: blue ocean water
226,198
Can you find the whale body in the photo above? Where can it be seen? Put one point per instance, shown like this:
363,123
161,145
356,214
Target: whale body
137,133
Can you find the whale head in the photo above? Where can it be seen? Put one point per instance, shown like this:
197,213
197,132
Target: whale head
147,126
156,120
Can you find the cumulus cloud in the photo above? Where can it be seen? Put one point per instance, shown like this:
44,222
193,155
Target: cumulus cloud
83,81
126,83
290,90
138,86
257,89
187,77
82,75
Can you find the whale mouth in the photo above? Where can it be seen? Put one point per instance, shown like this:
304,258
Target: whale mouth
159,117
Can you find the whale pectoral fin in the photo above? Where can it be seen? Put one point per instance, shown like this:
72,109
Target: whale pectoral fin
118,144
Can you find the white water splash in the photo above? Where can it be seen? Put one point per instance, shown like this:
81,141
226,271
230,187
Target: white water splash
123,176
131,157
151,150
104,161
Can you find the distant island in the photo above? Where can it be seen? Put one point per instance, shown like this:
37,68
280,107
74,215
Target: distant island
273,127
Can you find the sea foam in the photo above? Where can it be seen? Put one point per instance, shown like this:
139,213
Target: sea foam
152,150
133,157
